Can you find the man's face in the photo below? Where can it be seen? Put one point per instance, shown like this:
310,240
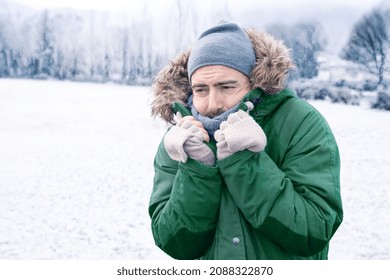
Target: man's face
217,88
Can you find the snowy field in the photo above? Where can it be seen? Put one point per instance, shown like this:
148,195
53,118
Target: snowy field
76,173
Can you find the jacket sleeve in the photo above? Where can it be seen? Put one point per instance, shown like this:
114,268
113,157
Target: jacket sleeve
297,203
184,205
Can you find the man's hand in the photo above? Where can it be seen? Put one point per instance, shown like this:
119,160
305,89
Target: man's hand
239,132
197,124
186,139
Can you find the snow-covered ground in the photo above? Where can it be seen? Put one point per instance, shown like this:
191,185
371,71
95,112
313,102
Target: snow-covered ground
76,173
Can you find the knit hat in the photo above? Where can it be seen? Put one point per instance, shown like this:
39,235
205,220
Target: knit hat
226,44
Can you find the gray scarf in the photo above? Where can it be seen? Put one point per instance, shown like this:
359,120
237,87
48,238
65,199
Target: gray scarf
210,124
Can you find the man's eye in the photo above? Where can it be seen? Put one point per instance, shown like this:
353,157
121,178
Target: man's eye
199,90
226,88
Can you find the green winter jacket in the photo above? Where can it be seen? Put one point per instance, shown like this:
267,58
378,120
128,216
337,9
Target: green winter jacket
281,203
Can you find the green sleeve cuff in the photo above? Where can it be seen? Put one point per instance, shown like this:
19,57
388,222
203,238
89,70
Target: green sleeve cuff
199,168
234,158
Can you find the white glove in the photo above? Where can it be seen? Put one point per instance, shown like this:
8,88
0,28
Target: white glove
186,140
239,132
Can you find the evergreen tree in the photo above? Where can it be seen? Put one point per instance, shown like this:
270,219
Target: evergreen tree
46,48
4,70
125,56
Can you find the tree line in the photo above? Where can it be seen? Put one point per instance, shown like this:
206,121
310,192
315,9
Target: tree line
70,45
97,46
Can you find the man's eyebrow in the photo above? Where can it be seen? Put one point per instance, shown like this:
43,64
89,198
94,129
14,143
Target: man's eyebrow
224,83
200,85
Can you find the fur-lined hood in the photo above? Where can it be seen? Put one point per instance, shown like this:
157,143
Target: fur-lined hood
272,64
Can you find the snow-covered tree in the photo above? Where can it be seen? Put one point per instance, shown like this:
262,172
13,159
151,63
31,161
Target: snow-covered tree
305,40
46,48
368,44
4,68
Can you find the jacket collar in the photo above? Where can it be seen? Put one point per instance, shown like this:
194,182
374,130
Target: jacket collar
265,103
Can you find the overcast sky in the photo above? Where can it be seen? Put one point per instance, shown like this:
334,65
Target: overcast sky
337,16
120,5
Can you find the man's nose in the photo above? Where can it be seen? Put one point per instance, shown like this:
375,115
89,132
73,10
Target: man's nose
215,102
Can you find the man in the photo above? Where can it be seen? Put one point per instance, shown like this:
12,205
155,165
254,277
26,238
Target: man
248,170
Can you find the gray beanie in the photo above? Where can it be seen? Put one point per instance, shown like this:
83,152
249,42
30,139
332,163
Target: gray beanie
226,44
